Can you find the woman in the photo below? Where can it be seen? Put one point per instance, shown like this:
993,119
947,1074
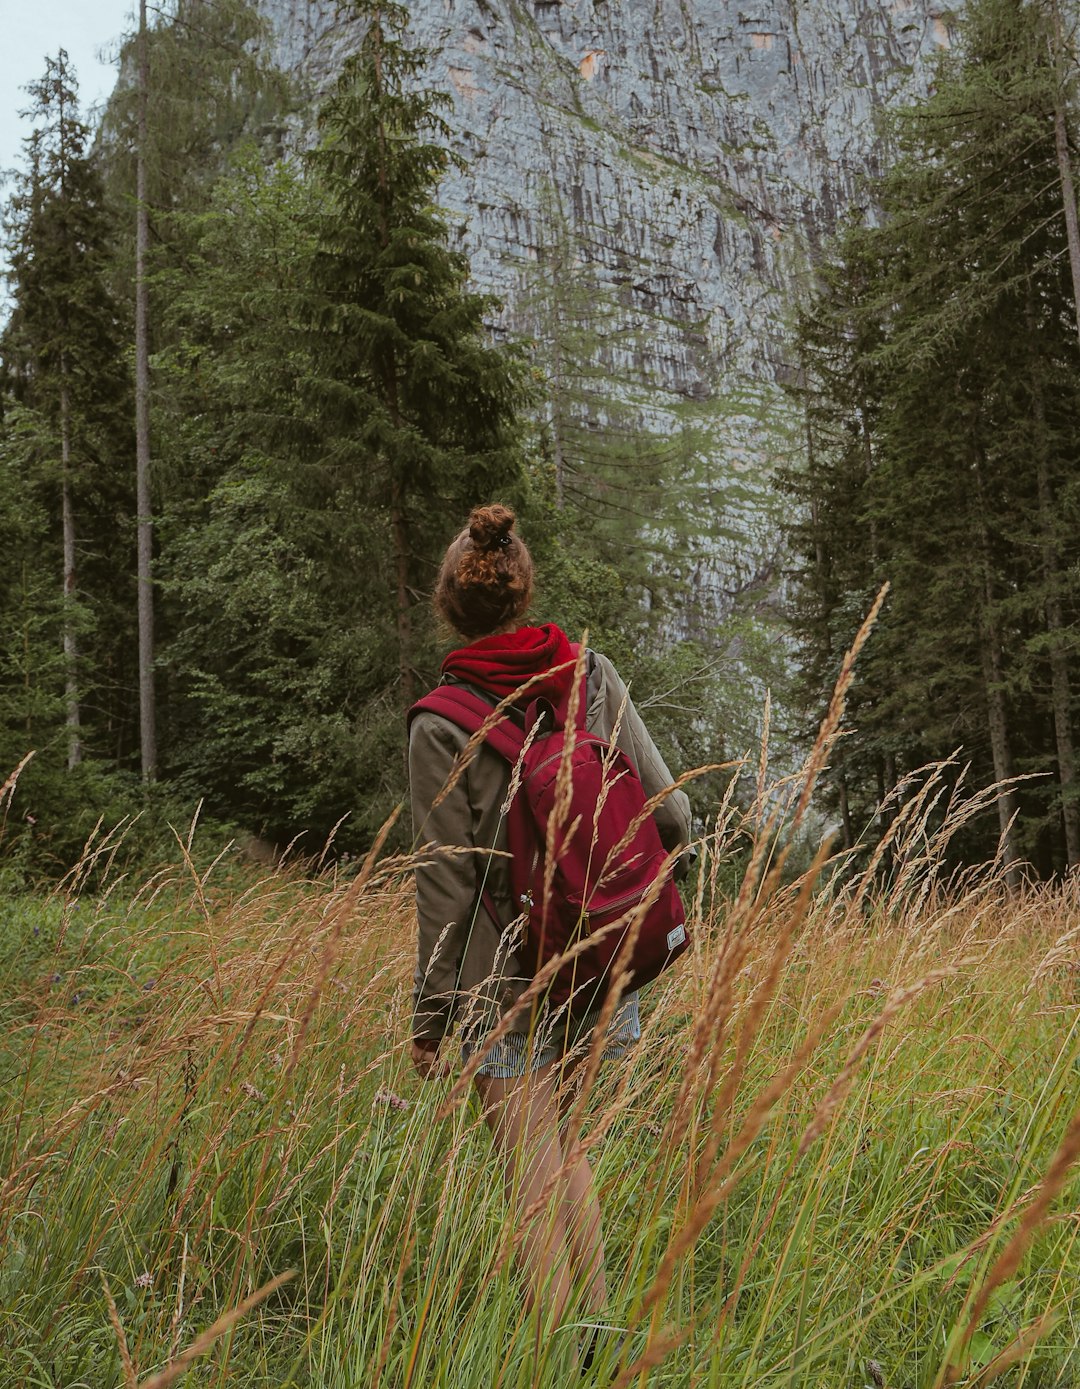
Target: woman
467,969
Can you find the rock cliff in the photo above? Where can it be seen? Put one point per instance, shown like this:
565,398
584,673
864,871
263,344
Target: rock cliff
679,157
646,183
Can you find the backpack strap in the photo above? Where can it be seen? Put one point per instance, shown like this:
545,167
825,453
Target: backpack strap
469,711
561,710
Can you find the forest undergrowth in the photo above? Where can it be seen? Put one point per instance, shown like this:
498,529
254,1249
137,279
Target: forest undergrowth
844,1152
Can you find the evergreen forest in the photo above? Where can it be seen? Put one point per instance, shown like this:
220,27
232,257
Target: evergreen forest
939,384
248,391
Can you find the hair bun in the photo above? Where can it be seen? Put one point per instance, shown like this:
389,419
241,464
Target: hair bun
486,580
490,526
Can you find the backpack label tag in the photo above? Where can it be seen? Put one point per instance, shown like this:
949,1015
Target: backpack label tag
676,937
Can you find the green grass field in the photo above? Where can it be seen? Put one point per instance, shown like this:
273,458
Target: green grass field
841,1156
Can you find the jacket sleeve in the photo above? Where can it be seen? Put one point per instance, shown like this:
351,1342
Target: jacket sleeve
672,815
445,873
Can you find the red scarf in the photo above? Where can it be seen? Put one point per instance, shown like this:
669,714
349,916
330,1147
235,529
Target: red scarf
502,663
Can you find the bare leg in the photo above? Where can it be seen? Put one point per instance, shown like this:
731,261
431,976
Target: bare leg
584,1233
523,1116
581,1212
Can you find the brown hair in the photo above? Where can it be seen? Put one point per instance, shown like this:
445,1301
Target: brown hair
486,579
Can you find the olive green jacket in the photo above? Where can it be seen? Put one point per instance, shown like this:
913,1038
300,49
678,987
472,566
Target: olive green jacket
465,968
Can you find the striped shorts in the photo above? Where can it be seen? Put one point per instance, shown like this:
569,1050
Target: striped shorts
520,1053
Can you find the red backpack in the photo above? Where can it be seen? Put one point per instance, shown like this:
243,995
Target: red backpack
611,877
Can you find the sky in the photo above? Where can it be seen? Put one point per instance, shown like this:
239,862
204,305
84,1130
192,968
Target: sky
32,29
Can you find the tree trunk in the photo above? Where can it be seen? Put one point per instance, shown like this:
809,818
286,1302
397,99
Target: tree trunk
399,525
821,559
999,747
845,812
868,468
28,718
556,420
883,789
143,504
71,645
1060,694
1061,142
994,686
551,270
1068,197
1060,691
71,650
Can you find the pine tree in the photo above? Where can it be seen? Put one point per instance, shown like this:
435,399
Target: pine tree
335,392
200,86
961,324
144,519
421,407
625,482
33,674
63,360
1064,92
270,674
841,554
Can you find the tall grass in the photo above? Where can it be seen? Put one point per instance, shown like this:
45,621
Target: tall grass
842,1154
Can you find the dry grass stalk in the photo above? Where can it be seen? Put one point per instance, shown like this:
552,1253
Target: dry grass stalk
514,785
558,832
342,915
908,825
1064,951
819,754
721,1183
109,846
204,1342
924,850
839,1088
615,856
199,883
10,781
714,850
760,797
657,1350
759,1005
756,869
1008,1261
1016,1350
178,1314
131,1379
706,1041
613,737
711,1015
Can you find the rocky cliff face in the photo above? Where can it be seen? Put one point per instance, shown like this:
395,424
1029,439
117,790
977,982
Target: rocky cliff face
646,183
677,157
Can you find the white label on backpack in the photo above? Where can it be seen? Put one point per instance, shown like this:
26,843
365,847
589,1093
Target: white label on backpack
676,937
